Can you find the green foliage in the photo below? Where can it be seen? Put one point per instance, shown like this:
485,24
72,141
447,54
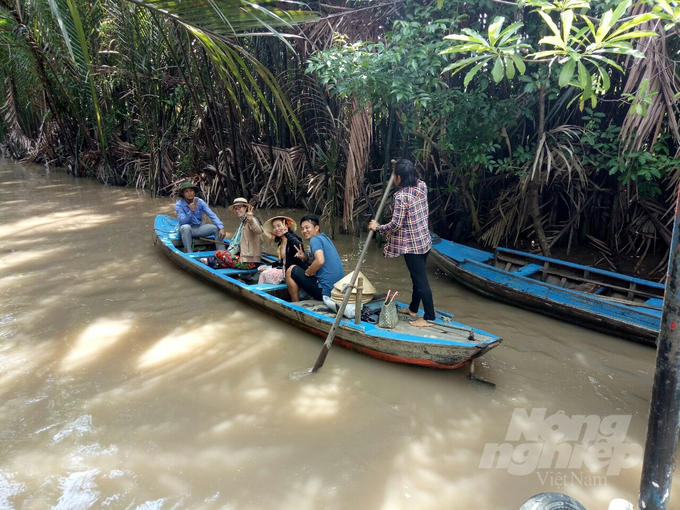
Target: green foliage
68,16
501,47
584,51
229,18
473,120
404,72
640,101
405,69
645,169
18,71
668,11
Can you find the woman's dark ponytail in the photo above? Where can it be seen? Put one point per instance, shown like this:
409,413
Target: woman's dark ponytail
405,169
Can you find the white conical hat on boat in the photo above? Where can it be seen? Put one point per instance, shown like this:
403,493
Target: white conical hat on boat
368,286
338,296
367,293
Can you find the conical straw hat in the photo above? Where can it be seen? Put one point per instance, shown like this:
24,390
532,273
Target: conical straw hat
368,286
267,227
338,296
367,293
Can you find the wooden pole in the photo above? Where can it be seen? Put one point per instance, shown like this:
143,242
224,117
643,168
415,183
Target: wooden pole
357,305
664,413
348,291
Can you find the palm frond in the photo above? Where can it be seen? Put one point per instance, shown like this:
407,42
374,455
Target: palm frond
360,138
225,19
17,143
653,80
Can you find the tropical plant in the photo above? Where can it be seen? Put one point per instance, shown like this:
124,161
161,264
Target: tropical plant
578,46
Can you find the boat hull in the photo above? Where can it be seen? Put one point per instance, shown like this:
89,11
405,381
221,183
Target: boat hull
579,308
364,337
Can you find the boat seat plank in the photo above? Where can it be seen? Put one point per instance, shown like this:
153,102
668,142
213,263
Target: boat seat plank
636,292
654,302
528,270
266,287
231,271
506,254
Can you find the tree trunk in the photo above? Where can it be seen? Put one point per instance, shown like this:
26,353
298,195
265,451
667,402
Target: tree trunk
533,194
534,187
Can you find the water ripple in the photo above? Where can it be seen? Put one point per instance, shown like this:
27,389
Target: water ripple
8,488
81,426
78,491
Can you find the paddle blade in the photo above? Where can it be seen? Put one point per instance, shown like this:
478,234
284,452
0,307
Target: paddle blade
299,374
322,356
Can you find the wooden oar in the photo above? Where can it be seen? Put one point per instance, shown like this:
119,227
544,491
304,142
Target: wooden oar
348,290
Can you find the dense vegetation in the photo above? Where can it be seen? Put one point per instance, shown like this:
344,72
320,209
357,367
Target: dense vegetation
548,121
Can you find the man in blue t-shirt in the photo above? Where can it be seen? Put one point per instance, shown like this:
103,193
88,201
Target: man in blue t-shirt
325,267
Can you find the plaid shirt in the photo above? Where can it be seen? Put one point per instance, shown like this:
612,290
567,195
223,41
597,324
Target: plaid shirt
408,231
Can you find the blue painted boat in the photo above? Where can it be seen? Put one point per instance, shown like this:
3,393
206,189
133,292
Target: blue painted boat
613,303
446,345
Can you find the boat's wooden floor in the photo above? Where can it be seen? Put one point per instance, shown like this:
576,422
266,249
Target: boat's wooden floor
607,287
438,331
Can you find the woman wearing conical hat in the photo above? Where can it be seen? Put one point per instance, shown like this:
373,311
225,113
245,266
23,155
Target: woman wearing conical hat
281,230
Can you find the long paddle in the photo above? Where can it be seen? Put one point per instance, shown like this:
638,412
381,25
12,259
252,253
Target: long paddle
348,291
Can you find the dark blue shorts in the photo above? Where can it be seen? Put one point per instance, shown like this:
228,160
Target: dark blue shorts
310,284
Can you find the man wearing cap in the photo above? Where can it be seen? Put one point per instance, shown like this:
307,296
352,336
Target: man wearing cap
190,211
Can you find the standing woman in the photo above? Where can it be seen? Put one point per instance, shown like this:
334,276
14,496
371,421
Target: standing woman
245,248
281,230
407,234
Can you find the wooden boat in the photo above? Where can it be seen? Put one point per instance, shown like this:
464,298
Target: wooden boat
613,303
447,344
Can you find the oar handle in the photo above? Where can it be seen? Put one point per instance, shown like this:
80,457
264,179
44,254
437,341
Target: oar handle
331,334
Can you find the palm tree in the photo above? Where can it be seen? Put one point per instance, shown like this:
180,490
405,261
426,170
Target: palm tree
70,45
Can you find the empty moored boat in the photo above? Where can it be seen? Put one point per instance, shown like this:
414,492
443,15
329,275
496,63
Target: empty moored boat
609,302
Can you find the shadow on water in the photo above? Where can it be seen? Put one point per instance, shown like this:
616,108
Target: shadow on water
126,383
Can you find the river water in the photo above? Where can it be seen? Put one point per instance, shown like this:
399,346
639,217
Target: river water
126,383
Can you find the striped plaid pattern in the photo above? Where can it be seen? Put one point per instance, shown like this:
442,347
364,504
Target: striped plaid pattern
408,230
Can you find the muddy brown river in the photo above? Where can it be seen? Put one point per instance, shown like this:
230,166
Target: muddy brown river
126,383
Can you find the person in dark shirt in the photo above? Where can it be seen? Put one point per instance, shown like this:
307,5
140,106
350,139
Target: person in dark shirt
281,230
